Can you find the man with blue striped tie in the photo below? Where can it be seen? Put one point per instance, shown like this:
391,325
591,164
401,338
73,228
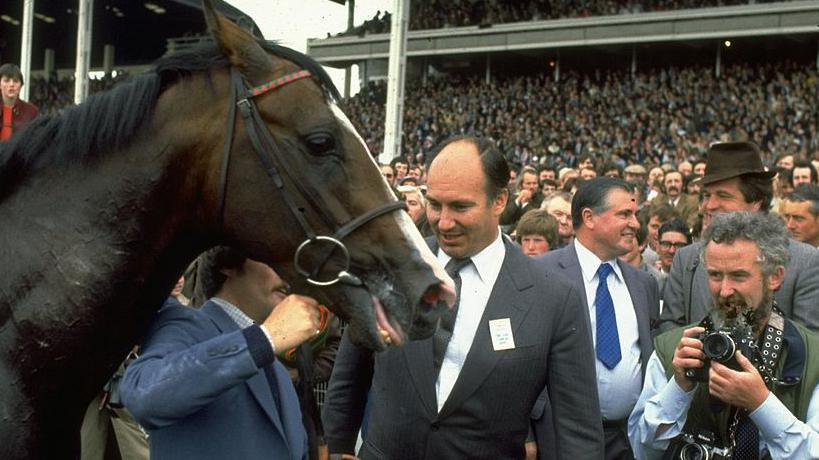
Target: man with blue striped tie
622,301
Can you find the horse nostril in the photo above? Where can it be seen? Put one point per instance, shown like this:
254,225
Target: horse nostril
432,296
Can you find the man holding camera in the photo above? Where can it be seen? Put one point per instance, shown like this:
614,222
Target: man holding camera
750,392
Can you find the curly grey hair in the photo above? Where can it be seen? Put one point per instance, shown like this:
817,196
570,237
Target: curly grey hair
768,232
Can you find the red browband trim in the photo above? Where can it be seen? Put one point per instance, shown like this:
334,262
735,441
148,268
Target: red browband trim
271,85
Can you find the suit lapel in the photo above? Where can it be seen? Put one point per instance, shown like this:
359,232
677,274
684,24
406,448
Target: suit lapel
418,354
259,386
638,294
505,301
570,264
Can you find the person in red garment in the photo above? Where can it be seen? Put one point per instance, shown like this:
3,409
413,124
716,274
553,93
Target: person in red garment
16,112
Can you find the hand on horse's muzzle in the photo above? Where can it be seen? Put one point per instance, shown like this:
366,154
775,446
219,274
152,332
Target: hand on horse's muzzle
296,319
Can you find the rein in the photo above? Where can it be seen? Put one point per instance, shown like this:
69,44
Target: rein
270,155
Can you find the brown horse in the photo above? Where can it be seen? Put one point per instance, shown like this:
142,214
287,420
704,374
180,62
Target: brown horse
104,205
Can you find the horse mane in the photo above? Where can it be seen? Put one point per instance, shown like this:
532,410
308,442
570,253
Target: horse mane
109,120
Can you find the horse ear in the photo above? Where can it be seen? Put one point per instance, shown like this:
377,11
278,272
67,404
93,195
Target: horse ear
240,47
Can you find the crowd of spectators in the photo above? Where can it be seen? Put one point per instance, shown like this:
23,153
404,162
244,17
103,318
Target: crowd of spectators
51,95
657,116
438,14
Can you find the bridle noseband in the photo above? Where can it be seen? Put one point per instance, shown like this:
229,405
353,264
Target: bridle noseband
270,155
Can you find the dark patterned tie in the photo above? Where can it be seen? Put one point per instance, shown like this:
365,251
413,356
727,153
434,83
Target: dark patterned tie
446,324
608,340
747,439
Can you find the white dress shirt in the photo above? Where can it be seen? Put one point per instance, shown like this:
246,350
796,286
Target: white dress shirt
620,387
477,281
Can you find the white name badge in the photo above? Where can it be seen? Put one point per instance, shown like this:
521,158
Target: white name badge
501,332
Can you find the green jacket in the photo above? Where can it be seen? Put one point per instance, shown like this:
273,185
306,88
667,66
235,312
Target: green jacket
800,356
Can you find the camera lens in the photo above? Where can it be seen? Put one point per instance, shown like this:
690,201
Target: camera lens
693,452
718,347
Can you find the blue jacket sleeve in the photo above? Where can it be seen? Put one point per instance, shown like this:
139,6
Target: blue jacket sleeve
186,363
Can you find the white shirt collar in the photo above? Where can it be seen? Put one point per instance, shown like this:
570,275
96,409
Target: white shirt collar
487,263
589,262
238,316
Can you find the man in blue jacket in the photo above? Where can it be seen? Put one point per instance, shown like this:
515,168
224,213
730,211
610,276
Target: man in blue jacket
208,385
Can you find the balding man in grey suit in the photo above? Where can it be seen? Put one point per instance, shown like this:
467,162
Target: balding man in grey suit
518,344
603,214
735,180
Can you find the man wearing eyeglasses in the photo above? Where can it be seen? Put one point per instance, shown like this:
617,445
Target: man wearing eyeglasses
672,236
388,173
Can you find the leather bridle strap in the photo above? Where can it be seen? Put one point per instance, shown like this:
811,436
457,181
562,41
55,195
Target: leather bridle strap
268,152
253,122
223,175
352,225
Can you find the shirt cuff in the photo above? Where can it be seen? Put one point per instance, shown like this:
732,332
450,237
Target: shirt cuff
259,345
269,338
675,400
772,417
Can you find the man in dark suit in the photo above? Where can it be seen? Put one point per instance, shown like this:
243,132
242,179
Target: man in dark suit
515,347
526,199
207,385
621,311
735,180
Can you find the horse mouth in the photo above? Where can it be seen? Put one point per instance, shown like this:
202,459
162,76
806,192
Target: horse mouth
390,330
391,333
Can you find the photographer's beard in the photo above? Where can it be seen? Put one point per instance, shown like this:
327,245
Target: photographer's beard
734,311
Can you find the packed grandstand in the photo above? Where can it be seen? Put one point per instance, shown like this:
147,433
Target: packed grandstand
667,108
657,116
440,14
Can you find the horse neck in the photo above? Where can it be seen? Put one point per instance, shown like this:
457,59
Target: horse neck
92,250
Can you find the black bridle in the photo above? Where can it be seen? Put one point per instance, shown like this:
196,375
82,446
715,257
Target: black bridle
270,155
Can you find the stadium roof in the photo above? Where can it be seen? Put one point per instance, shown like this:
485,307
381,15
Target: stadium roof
137,29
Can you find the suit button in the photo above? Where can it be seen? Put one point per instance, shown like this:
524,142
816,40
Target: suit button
435,426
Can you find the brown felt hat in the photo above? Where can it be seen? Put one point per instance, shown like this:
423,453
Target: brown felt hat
727,160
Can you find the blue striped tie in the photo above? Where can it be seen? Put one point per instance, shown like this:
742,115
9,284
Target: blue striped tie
608,341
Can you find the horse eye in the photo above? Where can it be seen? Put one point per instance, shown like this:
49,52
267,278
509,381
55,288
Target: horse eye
321,144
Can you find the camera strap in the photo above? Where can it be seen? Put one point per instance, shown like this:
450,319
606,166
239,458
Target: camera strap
772,342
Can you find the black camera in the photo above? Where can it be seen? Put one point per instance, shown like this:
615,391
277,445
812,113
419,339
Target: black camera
698,447
721,346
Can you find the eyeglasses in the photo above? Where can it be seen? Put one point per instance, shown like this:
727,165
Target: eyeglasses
388,176
668,244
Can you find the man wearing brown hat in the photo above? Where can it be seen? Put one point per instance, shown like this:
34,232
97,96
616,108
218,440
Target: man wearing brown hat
16,112
736,180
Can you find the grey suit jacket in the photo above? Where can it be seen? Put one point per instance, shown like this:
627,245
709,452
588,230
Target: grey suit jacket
487,414
641,286
687,299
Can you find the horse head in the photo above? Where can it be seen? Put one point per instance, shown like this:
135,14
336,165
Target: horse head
329,222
